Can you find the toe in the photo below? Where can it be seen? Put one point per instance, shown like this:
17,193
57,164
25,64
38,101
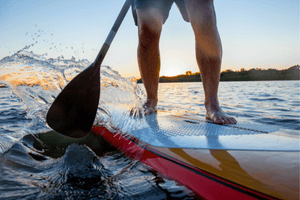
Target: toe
230,120
149,111
218,120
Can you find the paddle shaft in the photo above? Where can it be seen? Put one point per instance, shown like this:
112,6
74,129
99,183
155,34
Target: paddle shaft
74,109
112,33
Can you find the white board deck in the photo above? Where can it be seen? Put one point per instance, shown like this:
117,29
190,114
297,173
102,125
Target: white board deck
187,131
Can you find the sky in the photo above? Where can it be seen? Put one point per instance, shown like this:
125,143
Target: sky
254,33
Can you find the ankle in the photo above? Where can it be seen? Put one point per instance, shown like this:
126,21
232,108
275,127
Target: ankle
211,103
151,102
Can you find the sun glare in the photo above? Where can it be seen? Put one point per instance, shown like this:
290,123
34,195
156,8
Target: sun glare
173,67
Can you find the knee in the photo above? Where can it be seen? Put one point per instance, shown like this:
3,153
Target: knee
149,32
149,26
201,13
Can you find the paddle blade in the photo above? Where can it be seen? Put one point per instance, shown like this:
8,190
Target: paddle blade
74,110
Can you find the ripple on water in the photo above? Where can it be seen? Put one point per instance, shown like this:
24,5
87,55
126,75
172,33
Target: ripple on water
29,172
266,99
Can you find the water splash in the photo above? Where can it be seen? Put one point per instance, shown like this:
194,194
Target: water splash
37,81
120,100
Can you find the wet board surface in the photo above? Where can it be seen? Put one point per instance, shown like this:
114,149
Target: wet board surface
242,161
188,131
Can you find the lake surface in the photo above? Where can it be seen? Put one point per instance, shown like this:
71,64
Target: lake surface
266,102
32,168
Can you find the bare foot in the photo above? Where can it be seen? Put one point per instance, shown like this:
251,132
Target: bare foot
217,115
150,107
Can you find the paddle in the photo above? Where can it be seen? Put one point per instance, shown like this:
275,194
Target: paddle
74,109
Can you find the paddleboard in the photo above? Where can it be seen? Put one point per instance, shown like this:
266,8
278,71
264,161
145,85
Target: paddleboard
242,161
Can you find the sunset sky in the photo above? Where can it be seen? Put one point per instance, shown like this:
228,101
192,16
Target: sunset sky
254,33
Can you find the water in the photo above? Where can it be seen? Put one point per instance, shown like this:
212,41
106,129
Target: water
35,165
266,102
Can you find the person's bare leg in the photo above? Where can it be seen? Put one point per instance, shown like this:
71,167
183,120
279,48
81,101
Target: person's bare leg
150,22
209,55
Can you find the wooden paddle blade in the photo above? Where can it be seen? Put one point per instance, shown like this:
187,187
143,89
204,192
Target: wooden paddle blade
73,111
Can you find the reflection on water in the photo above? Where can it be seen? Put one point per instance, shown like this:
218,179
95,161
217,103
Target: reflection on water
36,163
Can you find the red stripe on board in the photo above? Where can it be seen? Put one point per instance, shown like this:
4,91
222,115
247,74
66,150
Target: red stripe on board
204,184
231,184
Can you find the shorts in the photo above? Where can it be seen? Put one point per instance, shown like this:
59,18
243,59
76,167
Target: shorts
164,5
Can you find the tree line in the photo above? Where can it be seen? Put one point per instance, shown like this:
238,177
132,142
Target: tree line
254,74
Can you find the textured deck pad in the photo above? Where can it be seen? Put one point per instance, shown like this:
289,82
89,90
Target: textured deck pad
186,131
